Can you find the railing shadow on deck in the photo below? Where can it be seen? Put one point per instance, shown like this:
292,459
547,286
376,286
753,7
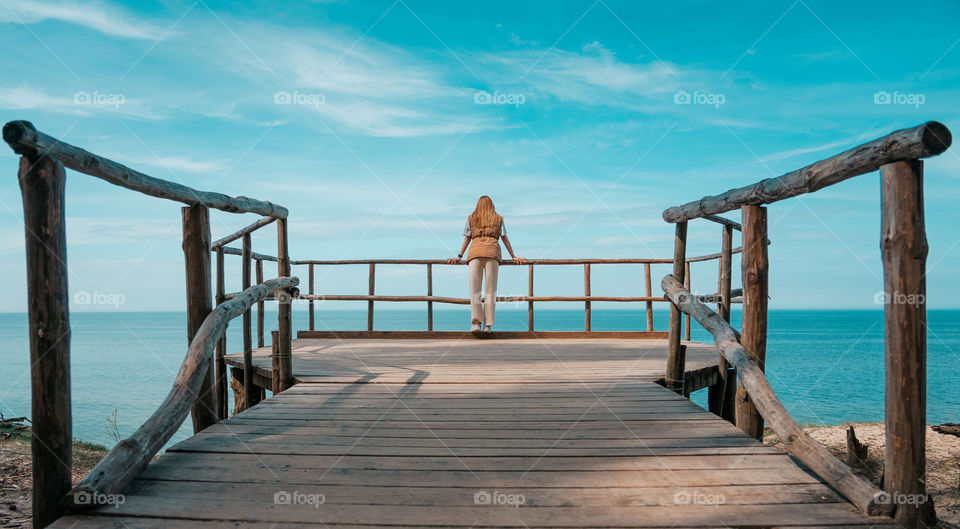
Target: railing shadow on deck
904,249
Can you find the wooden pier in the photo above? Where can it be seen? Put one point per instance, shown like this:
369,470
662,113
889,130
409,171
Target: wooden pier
423,432
450,429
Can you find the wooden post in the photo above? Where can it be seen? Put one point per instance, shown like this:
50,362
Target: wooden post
275,362
721,397
429,293
196,254
310,309
675,353
284,308
42,182
904,252
260,310
373,268
586,292
755,271
530,294
282,372
649,294
220,377
250,392
687,281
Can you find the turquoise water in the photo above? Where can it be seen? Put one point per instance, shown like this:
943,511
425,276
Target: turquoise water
826,366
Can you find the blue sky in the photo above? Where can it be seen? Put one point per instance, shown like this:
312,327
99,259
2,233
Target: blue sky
363,119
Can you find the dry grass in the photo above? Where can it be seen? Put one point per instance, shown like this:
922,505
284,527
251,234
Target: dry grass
16,474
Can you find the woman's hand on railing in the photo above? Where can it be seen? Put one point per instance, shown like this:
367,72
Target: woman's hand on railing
519,260
453,260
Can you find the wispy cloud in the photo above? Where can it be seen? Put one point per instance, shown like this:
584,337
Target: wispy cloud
108,19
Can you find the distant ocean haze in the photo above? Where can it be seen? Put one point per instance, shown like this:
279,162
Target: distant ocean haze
827,366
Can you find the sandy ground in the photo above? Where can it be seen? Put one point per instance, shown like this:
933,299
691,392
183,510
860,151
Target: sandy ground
16,479
943,468
943,462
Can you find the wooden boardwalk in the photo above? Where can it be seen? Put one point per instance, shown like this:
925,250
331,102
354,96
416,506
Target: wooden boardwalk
475,433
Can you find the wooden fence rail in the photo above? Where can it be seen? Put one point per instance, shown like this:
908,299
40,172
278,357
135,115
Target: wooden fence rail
858,490
129,457
903,250
42,179
587,299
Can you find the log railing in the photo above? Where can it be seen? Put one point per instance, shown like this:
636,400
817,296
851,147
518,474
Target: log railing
42,182
648,299
858,490
122,464
903,250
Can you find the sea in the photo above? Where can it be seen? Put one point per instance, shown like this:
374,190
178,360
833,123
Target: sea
826,366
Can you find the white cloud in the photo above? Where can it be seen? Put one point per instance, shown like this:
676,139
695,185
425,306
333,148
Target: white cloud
107,19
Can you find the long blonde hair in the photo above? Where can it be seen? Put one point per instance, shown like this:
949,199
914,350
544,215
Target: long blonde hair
485,215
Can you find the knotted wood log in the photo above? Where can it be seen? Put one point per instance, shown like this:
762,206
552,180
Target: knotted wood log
126,460
922,141
25,139
867,497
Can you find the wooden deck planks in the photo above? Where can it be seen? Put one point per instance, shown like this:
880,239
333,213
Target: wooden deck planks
409,433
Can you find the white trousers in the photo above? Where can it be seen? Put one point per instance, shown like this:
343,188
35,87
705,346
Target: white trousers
480,266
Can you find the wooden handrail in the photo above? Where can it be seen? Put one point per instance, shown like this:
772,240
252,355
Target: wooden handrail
130,456
466,301
922,141
253,255
868,498
241,232
26,140
508,262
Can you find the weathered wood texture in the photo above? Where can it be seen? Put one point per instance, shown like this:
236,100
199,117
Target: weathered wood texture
530,294
586,293
130,456
429,294
372,282
250,394
238,251
495,335
260,307
42,182
311,317
722,397
675,353
928,139
904,252
426,446
858,490
648,289
284,309
196,257
755,270
246,230
24,139
220,376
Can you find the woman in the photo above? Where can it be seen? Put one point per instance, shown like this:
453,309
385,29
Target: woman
482,234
